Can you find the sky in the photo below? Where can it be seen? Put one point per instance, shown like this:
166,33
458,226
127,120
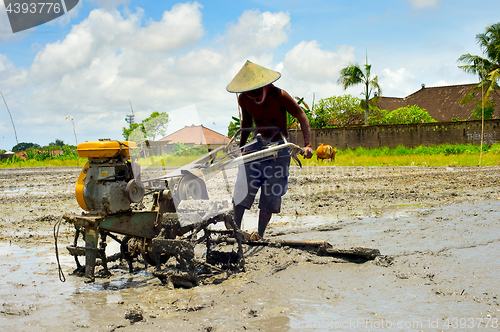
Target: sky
85,71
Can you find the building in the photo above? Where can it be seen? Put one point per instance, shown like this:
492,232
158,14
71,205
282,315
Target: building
192,135
442,103
6,155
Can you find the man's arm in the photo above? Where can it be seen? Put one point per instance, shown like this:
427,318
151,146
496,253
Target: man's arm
304,126
246,122
295,110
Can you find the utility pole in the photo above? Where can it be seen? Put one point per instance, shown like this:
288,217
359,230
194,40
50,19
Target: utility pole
130,117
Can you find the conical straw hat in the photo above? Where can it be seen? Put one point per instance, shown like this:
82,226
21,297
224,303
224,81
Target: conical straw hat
252,77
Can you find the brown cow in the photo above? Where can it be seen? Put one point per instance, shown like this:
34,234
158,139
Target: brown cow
325,152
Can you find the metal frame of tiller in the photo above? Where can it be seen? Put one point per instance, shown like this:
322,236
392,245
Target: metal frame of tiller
158,235
162,232
171,227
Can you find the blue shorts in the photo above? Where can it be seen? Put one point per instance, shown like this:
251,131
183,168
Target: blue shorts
268,174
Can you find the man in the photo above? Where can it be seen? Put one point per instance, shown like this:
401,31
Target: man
267,106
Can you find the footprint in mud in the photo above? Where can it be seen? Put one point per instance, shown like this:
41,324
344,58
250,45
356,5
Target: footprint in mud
134,315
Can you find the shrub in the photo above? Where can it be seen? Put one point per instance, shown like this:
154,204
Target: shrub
488,111
337,111
377,117
188,150
402,115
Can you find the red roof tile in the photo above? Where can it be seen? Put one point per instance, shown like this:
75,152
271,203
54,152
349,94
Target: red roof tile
442,103
196,135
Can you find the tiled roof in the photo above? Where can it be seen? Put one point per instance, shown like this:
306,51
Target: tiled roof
196,135
442,103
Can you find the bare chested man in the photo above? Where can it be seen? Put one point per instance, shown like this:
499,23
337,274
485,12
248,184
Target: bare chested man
265,105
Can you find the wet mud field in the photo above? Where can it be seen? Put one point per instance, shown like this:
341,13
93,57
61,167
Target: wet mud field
438,231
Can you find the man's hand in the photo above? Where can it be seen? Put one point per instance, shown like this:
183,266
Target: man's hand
308,152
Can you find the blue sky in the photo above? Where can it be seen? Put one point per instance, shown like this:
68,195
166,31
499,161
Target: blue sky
178,57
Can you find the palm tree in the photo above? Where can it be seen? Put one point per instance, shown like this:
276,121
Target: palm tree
354,75
488,68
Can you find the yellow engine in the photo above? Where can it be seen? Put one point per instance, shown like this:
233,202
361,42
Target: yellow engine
107,184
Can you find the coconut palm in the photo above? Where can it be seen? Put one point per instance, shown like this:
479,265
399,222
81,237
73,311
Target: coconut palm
353,75
487,68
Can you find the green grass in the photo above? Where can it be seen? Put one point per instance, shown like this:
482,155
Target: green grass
167,160
44,163
437,155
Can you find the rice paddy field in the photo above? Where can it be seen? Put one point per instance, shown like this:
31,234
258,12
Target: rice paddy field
438,155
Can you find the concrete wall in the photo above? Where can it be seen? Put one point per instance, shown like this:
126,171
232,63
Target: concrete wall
408,135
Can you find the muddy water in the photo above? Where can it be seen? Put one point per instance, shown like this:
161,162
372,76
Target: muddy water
442,265
439,269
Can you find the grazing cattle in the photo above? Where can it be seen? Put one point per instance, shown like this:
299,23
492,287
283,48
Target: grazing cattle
325,152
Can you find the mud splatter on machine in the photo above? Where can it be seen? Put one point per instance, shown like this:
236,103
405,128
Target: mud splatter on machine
108,187
106,184
110,191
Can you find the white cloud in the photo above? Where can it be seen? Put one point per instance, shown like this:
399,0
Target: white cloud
110,58
10,76
308,69
257,32
442,83
308,62
420,4
179,27
106,32
396,83
4,62
86,42
3,127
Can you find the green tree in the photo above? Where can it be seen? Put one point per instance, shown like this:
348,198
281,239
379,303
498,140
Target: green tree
403,115
477,113
337,111
353,75
233,127
69,152
58,142
409,115
24,146
156,125
126,132
377,117
292,122
180,149
487,68
150,128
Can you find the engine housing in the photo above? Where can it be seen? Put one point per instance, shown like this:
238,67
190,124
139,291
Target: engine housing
106,184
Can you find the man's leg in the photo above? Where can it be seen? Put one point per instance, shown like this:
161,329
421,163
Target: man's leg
264,218
239,211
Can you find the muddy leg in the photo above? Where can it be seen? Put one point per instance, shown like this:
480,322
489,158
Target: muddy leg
239,211
264,218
